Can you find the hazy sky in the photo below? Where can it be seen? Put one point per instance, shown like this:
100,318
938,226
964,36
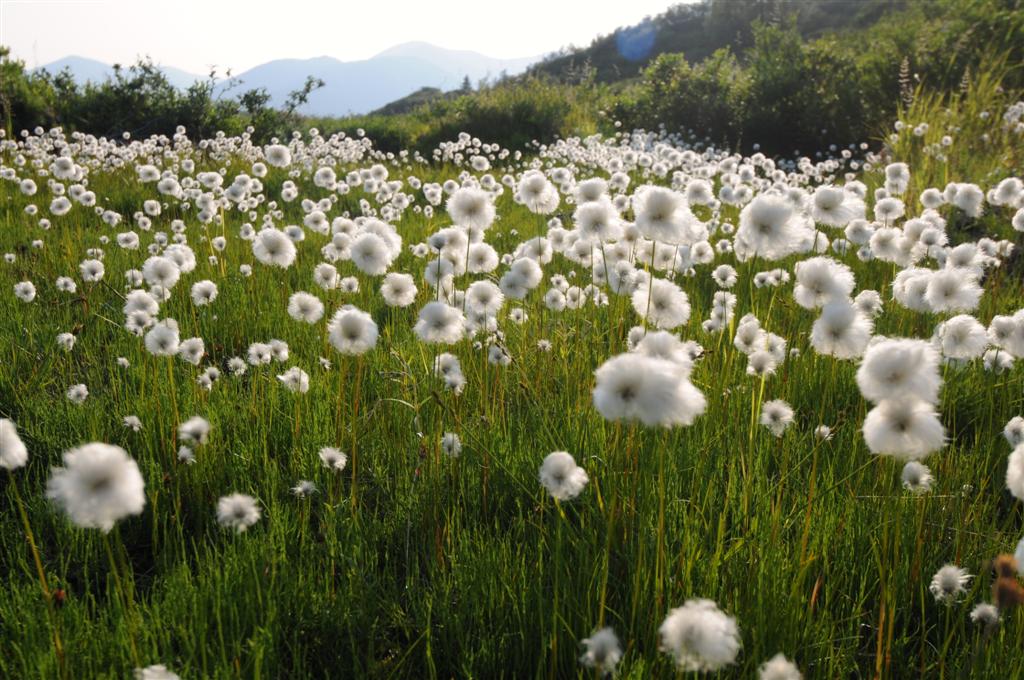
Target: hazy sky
194,34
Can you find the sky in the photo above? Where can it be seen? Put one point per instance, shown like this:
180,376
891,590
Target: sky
194,35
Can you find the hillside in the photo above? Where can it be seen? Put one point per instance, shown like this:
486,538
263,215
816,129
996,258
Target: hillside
411,102
695,30
700,28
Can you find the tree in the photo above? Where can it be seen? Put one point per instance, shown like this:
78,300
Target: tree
24,97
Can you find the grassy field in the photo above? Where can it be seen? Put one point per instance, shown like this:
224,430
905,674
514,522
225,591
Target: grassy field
412,562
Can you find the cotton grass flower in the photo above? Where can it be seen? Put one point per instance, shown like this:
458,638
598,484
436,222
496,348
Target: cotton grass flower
195,430
498,356
916,477
536,193
835,207
295,380
986,615
842,330
482,258
664,345
192,350
370,254
304,489
1013,431
349,284
13,452
451,444
889,209
634,387
662,303
277,155
398,290
440,323
700,637
562,478
446,364
154,672
1007,332
997,360
92,271
140,301
952,290
471,207
602,651
161,271
1015,472
523,275
352,331
820,280
969,198
598,220
662,215
98,486
25,291
949,583
906,428
259,353
869,303
203,293
305,307
724,276
440,273
272,247
771,228
333,458
900,368
963,337
237,511
236,365
776,415
66,285
326,276
77,394
779,668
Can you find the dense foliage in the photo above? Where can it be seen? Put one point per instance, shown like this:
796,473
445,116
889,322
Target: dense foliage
698,29
789,77
138,100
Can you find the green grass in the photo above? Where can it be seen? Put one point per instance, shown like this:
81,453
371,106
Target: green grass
462,567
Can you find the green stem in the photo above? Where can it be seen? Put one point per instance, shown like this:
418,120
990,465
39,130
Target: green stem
58,646
126,600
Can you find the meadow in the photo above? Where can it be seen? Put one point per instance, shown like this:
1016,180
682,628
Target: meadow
786,391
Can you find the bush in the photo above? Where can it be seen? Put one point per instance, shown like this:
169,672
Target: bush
512,114
709,98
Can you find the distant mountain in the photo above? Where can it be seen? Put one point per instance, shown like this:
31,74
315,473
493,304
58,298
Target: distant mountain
82,68
351,86
366,85
461,62
90,70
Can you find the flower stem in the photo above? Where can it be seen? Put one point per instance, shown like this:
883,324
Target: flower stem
58,646
125,600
